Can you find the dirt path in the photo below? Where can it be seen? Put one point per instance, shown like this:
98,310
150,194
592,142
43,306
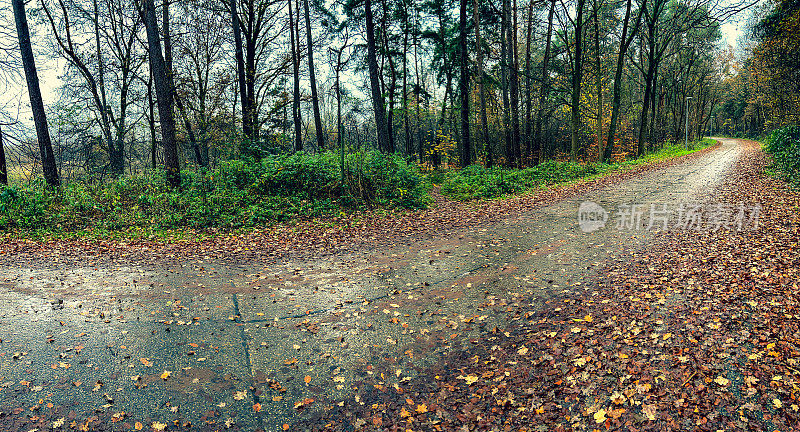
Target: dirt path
257,346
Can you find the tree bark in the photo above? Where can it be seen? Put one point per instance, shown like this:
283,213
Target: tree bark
312,77
35,94
151,120
247,129
406,124
625,42
504,66
598,78
374,79
575,120
164,93
295,45
3,169
484,121
514,82
466,143
528,93
538,148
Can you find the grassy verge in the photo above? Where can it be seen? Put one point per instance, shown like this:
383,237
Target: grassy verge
477,182
242,195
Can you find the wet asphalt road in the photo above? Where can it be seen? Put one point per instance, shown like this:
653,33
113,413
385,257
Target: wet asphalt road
249,347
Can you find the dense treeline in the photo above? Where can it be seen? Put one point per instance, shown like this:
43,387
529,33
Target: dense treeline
180,83
762,84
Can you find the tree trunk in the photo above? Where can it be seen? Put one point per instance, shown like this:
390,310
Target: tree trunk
625,42
528,92
374,80
598,78
167,35
504,66
466,143
3,169
575,120
163,95
313,81
538,148
643,126
514,83
116,149
35,94
151,120
484,121
295,45
247,130
406,124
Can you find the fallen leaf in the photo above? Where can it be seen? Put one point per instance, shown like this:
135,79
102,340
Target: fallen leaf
600,416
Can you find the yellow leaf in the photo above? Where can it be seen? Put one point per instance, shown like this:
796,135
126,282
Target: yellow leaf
138,426
165,374
721,381
257,407
404,413
588,318
777,403
307,379
649,411
470,379
146,362
159,426
422,408
600,416
522,350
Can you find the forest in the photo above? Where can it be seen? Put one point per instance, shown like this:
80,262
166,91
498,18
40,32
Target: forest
210,104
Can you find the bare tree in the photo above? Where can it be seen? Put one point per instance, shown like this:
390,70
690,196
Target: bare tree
164,93
35,95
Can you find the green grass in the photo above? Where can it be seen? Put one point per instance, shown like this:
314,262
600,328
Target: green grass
477,182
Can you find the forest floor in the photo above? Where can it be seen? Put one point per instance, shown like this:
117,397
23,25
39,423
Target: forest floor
493,315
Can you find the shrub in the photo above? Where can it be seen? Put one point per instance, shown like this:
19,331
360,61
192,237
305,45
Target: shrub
237,193
784,145
477,182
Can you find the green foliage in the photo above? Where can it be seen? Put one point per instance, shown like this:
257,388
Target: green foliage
237,193
784,145
477,182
